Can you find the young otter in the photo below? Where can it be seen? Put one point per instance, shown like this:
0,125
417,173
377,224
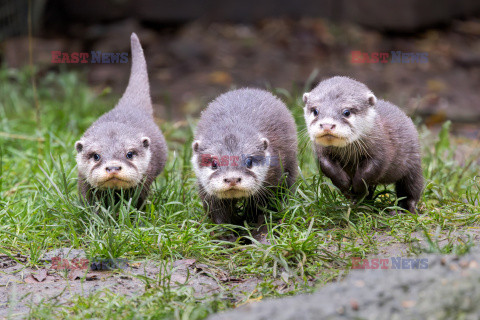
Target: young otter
245,141
361,142
124,148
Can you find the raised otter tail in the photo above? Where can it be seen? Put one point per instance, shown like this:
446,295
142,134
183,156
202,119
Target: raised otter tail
137,94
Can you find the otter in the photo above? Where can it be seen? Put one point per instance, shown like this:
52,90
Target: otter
244,148
124,150
362,142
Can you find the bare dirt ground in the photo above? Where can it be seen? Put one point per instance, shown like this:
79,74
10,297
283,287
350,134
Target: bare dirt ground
25,287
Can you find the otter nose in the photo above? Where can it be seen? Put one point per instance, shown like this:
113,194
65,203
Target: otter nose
232,181
113,169
327,126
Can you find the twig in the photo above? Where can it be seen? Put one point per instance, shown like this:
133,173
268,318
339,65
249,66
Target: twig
20,137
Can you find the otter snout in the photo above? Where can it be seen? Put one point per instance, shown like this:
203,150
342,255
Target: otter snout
327,126
232,181
113,169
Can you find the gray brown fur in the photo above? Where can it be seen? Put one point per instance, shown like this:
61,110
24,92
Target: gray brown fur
122,129
387,153
234,124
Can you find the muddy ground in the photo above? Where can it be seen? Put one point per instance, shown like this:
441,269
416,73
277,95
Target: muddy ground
25,287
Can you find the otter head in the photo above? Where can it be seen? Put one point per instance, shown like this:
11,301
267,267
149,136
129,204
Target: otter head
112,156
339,111
233,166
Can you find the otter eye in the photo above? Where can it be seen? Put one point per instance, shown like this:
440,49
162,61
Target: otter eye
248,162
96,157
346,113
129,155
315,111
214,164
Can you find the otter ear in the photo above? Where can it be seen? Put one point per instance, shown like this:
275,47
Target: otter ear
305,97
146,142
79,146
196,145
265,143
372,100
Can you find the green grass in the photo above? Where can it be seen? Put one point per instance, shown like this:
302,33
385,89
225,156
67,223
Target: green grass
312,236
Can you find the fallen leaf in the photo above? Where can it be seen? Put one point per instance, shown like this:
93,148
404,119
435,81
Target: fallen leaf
30,279
75,274
135,265
92,277
220,77
249,301
434,85
234,280
40,275
354,304
408,303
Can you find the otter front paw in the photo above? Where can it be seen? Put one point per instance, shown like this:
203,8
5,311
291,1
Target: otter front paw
343,183
359,187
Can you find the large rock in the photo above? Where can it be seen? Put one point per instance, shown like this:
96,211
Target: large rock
447,289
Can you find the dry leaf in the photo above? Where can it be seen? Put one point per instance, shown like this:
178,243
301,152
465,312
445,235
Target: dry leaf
92,277
354,304
76,274
135,265
40,275
408,303
30,279
220,77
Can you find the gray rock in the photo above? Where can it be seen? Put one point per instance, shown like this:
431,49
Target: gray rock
447,289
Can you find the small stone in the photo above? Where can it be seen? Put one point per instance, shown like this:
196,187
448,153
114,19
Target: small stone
354,304
359,283
408,303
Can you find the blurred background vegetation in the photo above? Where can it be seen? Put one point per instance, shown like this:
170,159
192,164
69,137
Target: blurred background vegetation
198,49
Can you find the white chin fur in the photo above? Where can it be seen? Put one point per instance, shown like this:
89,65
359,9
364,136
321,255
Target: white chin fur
221,189
126,178
116,184
332,142
118,181
345,135
232,194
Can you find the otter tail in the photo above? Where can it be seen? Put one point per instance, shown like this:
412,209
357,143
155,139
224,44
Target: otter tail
137,94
